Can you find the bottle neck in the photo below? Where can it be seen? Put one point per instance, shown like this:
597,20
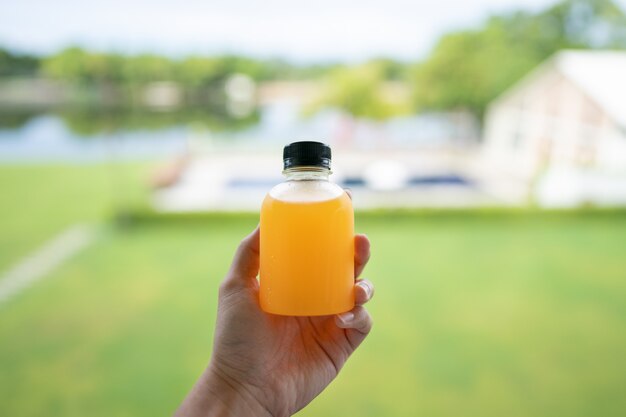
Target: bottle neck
307,174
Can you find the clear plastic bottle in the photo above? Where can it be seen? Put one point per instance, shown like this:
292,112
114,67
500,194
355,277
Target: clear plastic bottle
307,238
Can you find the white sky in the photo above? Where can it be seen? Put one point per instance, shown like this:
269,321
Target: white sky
313,30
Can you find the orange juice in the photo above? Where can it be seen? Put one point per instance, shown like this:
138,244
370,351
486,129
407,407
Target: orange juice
307,247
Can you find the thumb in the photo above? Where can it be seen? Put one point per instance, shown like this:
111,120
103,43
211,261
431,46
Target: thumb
245,266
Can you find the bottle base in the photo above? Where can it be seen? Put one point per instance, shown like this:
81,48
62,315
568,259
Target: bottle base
306,313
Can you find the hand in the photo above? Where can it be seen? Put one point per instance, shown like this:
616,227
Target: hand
269,365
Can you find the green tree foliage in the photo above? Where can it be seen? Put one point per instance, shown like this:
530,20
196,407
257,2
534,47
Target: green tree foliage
468,69
391,69
17,65
147,68
360,90
92,121
78,65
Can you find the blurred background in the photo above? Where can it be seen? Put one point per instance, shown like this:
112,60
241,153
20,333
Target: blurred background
484,141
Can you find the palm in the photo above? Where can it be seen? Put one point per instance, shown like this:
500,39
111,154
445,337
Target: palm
308,354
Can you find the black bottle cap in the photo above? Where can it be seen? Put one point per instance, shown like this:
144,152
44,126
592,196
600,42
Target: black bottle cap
310,154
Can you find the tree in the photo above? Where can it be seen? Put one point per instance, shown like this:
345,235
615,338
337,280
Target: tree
17,65
359,90
468,69
77,65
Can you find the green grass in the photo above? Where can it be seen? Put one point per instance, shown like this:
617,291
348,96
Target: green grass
37,202
484,314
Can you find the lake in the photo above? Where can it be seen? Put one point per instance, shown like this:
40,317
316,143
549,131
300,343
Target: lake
92,135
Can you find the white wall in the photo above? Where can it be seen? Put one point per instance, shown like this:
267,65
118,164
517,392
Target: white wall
548,124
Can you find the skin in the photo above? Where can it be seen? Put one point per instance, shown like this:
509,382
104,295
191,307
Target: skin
269,365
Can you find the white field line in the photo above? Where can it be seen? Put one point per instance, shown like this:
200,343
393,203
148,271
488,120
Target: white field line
43,261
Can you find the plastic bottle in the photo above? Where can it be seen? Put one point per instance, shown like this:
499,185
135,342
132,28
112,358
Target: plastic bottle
307,238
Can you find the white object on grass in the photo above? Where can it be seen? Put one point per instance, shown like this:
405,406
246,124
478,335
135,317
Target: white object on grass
43,261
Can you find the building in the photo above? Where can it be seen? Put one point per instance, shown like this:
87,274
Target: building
559,135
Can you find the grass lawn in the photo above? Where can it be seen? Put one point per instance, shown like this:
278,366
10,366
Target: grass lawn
37,202
510,314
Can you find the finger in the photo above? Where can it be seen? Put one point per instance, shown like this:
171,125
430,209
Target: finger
363,291
361,253
356,319
245,266
357,322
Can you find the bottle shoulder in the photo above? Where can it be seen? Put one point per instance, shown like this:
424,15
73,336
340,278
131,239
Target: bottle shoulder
306,191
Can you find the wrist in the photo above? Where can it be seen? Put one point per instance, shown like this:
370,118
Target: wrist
229,397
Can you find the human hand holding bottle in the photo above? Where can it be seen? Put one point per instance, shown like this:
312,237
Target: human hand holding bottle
270,365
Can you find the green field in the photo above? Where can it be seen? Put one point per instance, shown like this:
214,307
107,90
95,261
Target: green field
476,314
36,202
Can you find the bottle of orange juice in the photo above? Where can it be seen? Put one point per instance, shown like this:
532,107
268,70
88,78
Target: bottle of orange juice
307,238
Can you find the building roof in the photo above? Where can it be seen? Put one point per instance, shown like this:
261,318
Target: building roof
601,75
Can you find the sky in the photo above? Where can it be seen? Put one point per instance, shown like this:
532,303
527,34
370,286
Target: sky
301,31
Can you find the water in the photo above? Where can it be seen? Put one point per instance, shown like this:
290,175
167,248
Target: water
46,138
88,137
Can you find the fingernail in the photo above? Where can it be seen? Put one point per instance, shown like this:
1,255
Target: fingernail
366,287
346,318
